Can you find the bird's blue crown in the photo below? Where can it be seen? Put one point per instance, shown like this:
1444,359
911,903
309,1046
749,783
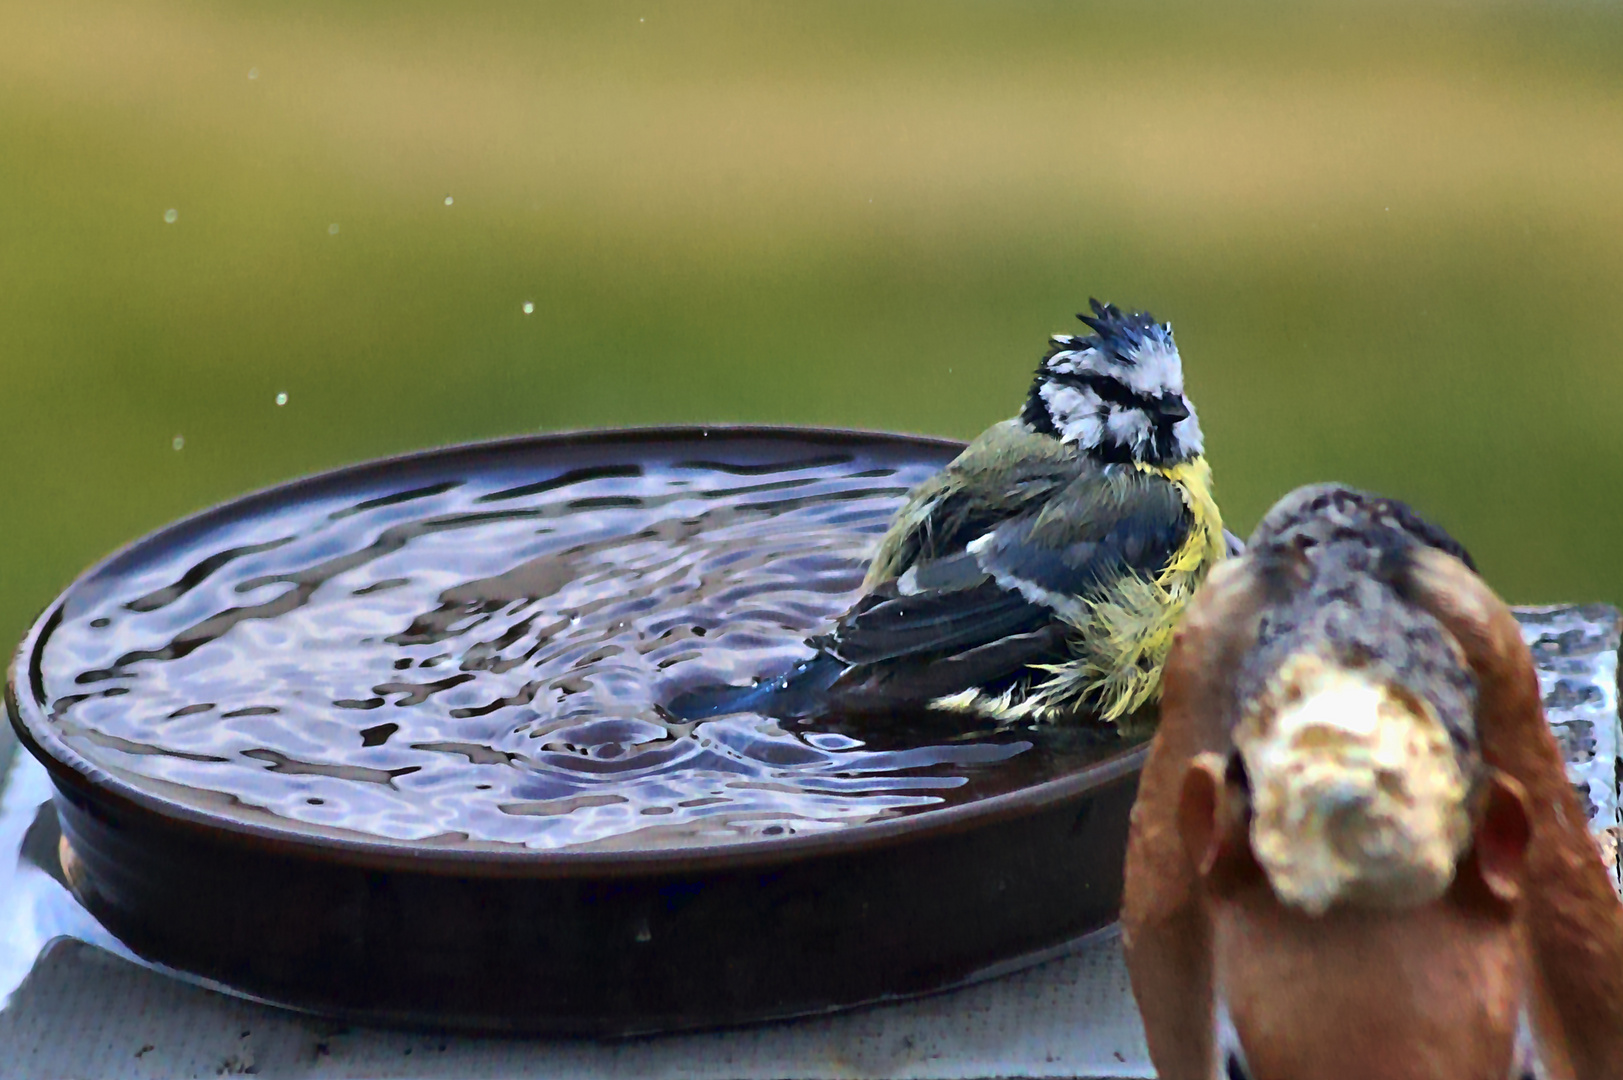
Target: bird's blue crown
1117,334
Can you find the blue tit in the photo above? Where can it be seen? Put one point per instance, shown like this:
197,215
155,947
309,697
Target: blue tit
1040,575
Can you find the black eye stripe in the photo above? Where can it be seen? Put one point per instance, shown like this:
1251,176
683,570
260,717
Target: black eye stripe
1112,390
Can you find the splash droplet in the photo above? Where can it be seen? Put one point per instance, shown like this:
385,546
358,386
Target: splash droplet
253,73
332,230
529,308
449,200
281,399
178,442
171,215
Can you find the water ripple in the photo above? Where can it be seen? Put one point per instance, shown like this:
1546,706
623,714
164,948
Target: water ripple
481,661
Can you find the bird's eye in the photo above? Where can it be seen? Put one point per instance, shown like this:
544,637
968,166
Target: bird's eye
1234,1068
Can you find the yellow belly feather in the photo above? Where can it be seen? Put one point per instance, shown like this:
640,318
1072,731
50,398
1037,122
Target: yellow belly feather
1124,644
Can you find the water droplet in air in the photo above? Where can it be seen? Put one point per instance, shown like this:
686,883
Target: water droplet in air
253,73
281,399
178,442
529,308
171,215
332,230
449,200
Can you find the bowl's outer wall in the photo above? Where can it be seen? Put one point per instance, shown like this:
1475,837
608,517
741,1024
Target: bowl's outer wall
599,956
577,943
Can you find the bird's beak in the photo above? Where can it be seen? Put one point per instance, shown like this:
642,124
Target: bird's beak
1173,407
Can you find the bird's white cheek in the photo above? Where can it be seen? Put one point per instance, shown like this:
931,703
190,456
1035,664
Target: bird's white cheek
1075,412
1187,433
1086,431
1066,402
1129,427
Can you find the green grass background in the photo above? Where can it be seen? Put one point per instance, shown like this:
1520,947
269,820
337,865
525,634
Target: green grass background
1390,237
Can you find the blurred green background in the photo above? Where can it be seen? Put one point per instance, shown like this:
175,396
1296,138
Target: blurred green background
1388,236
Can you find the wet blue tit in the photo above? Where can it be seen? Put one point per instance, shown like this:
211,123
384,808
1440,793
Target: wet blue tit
1040,575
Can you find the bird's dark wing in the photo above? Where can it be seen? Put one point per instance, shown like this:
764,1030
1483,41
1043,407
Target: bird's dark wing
1021,575
1100,527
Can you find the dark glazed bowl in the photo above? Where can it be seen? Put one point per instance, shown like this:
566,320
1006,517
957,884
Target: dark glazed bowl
580,943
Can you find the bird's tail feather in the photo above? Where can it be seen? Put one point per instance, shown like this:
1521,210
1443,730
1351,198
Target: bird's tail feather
800,691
